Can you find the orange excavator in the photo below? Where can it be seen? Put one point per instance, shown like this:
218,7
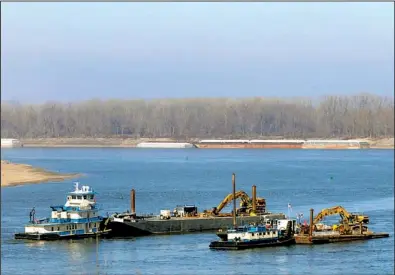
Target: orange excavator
247,204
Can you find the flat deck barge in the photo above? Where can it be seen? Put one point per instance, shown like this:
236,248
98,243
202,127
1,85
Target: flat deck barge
187,219
333,238
129,227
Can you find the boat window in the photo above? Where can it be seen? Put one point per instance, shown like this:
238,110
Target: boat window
58,228
79,197
73,197
253,234
84,197
51,228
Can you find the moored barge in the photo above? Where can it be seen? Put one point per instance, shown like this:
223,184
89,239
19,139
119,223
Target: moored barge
251,144
187,219
352,227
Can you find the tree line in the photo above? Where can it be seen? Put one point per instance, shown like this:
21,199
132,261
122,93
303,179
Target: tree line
363,115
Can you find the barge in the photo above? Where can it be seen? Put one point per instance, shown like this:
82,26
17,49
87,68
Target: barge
77,218
352,227
336,144
187,219
251,144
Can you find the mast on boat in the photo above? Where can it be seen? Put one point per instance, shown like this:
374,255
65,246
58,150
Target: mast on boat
234,199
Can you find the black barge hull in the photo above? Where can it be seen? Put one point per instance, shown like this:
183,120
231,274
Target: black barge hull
147,227
232,245
56,237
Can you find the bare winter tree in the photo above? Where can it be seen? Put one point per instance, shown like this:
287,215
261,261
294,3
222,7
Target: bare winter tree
363,115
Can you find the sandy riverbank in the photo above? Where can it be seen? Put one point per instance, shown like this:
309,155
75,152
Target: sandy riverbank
383,143
18,174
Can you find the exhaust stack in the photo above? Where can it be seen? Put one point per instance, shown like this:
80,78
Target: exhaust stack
234,199
254,198
311,222
133,201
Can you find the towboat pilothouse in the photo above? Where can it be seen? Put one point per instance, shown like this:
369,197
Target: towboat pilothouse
77,218
272,233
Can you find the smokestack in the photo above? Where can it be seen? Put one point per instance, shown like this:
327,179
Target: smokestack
133,201
234,199
311,222
254,198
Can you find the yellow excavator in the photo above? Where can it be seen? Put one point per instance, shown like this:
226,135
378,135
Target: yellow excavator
348,220
246,204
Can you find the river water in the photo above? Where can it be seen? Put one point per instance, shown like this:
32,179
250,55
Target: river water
359,180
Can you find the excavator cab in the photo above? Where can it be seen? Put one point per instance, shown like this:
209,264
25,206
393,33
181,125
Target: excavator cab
357,218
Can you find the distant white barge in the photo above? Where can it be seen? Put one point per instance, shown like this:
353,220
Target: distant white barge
10,143
165,145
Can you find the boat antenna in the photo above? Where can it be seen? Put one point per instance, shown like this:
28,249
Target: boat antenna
234,199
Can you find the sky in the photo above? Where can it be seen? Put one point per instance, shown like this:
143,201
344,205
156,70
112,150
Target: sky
79,51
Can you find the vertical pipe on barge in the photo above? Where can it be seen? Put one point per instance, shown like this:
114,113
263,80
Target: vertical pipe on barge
234,199
254,198
133,201
311,222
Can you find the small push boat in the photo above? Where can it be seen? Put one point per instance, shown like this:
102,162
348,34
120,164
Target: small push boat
273,233
77,218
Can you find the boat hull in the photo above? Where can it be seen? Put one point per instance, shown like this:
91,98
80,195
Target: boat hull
56,237
232,245
178,225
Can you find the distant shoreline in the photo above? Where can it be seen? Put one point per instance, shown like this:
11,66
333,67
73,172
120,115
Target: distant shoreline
385,143
13,174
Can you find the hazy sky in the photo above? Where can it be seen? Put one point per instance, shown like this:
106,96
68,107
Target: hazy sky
74,51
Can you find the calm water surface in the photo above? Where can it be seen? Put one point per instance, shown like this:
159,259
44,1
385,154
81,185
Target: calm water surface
358,180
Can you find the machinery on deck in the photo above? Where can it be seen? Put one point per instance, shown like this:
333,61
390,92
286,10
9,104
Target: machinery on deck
349,218
349,222
251,206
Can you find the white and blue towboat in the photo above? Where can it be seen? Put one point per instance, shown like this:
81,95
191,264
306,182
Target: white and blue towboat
77,218
272,233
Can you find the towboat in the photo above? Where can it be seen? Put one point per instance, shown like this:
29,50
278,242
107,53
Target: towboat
270,233
77,218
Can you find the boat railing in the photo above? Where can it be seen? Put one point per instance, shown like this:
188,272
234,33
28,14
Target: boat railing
65,220
45,220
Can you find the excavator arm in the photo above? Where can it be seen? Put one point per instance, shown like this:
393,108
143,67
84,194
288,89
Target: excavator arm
346,217
246,202
239,194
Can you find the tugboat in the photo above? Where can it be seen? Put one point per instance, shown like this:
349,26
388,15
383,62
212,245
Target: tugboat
273,233
77,218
